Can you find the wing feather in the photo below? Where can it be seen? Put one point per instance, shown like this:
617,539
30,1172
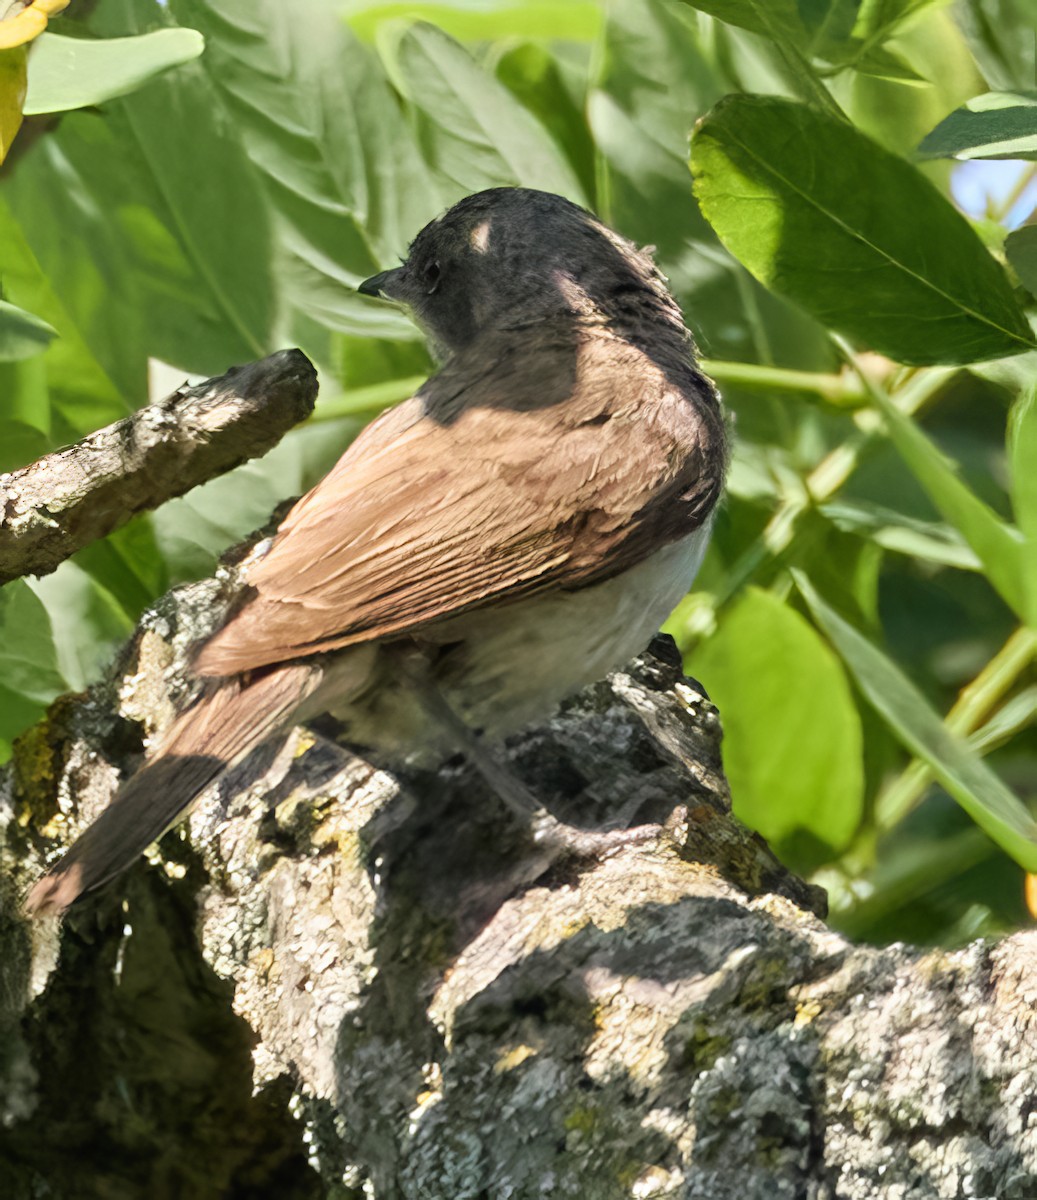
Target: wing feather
427,515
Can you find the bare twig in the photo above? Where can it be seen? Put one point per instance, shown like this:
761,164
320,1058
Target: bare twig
65,500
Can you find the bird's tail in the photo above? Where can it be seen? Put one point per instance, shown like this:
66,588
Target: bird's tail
231,719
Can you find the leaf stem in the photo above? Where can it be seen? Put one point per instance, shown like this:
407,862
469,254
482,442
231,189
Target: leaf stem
367,401
838,389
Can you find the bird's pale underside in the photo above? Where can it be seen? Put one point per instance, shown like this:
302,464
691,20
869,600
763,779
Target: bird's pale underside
517,529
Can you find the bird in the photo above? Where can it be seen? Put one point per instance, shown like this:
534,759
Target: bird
518,528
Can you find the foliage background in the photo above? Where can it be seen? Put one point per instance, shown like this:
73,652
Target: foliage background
865,617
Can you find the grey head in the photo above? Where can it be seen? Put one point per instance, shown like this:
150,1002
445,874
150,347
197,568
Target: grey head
513,257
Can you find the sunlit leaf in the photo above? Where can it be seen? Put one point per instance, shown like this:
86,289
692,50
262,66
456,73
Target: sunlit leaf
69,73
472,20
12,94
1022,445
781,185
793,763
28,662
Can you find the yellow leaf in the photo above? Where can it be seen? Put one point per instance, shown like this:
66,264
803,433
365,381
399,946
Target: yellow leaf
23,20
12,95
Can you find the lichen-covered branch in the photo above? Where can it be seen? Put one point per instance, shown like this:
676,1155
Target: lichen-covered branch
428,1012
65,500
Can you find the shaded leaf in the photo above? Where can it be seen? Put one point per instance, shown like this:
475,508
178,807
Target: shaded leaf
903,534
777,19
1021,251
781,185
69,73
340,164
22,334
1000,35
472,129
998,546
792,736
994,125
911,718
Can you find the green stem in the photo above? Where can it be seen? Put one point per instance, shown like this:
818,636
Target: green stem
367,401
837,389
828,477
971,708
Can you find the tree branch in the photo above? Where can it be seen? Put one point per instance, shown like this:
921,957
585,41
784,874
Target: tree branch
415,1007
65,500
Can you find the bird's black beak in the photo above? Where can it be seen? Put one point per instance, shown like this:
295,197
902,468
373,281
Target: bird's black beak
381,285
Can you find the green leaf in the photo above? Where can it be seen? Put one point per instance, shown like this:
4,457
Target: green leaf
793,764
69,73
1021,251
28,662
12,95
782,186
998,546
994,125
473,130
573,20
777,19
1000,35
82,396
87,623
878,19
340,163
928,540
164,266
24,400
909,715
22,334
1022,449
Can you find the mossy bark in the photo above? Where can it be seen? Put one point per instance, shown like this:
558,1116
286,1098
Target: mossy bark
353,978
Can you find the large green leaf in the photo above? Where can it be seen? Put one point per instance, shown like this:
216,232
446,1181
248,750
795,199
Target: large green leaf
999,547
80,391
28,662
153,262
817,211
69,73
21,334
317,117
792,736
994,125
1022,446
912,719
474,131
1000,35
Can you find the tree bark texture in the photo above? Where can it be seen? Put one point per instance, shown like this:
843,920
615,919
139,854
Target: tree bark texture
355,979
65,500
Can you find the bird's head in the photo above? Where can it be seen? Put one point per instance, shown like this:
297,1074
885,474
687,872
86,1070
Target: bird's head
511,257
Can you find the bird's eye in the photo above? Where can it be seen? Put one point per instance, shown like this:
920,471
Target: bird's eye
432,277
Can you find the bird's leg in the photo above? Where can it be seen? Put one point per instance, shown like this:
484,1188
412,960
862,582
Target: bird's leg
557,837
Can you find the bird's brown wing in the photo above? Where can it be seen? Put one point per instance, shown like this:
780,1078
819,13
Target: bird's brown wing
457,498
